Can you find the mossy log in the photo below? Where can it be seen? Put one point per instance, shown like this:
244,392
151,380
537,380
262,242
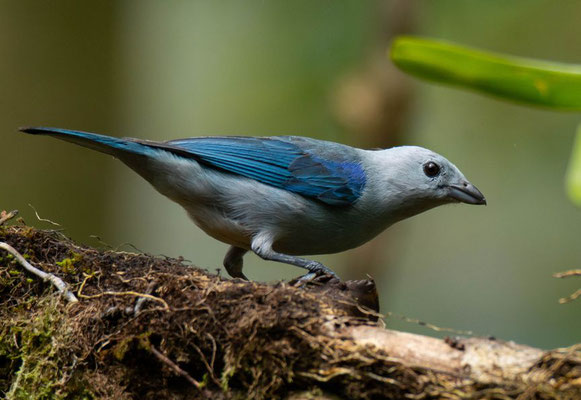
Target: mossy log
155,327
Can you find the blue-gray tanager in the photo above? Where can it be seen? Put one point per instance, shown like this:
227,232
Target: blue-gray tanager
285,196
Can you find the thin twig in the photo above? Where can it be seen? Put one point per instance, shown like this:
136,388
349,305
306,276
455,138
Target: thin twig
101,242
214,348
163,358
568,274
126,293
571,297
141,300
5,216
55,280
429,325
42,219
205,361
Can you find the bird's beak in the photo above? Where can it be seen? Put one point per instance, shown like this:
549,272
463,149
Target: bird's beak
466,192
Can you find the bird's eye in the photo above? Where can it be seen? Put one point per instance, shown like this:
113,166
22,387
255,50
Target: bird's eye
431,169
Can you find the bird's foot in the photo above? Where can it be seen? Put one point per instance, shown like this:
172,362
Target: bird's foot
318,272
240,277
301,280
319,269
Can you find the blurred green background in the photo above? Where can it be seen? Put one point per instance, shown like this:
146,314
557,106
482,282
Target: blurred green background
164,70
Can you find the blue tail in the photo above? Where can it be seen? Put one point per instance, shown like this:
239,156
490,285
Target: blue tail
102,143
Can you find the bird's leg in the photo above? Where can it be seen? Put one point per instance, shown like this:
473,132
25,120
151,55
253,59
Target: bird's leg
263,248
233,262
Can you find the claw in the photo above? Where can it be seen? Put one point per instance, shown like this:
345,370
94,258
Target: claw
319,269
303,280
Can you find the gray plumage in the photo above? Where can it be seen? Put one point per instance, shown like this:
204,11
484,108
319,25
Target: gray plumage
308,196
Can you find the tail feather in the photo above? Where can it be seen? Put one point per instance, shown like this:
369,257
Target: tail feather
104,144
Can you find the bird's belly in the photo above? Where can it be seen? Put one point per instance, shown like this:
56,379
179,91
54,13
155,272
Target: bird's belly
305,245
220,228
312,238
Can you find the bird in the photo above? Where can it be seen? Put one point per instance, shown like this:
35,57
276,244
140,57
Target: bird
286,197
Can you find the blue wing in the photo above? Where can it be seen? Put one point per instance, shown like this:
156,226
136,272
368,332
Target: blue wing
328,172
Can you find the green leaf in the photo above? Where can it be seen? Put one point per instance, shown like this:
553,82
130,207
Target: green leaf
573,177
548,84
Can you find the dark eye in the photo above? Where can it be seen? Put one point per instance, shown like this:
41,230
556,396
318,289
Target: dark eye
431,169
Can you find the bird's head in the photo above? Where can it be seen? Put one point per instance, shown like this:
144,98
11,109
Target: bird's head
419,179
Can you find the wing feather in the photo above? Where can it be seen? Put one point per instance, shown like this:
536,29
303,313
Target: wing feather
283,162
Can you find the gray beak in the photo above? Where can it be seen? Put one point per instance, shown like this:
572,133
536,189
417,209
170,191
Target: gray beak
466,193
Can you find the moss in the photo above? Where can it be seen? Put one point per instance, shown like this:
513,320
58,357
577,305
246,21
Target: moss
68,265
121,348
36,347
6,258
225,378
